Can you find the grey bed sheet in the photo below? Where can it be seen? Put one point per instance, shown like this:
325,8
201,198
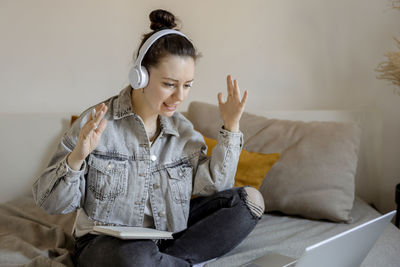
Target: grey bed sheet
291,235
31,237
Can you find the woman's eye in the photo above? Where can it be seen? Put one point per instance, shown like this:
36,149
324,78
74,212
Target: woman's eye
169,85
189,85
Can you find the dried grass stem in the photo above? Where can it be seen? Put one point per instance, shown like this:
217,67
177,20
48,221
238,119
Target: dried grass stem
390,70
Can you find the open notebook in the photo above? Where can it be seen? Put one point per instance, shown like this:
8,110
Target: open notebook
125,232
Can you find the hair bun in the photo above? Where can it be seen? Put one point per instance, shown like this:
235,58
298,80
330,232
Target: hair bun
161,19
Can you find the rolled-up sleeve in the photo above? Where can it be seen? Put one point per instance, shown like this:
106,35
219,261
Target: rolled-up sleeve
217,172
60,189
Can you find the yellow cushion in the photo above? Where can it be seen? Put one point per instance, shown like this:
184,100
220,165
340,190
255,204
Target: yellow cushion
252,166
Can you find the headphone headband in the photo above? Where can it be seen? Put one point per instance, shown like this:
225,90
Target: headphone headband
138,75
146,46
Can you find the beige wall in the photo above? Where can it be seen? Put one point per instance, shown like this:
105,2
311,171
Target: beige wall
62,56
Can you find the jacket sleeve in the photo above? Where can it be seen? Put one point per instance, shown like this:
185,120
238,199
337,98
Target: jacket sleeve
60,189
217,172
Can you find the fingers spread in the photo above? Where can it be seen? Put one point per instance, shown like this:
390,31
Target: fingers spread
95,119
92,126
236,90
229,85
101,110
101,127
220,100
92,115
244,97
87,129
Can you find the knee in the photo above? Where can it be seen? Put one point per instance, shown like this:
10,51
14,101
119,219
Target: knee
254,201
137,254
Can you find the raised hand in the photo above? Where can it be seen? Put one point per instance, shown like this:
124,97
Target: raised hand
89,137
231,110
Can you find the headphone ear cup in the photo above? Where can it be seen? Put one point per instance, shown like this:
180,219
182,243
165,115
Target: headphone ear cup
144,81
138,77
134,77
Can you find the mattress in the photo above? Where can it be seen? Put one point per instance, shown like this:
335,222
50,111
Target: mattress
31,237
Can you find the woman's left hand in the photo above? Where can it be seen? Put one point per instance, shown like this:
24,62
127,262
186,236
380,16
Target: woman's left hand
231,110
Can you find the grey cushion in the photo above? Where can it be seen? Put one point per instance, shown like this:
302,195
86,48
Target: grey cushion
314,176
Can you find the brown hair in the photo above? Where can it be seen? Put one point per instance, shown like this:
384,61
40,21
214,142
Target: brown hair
171,44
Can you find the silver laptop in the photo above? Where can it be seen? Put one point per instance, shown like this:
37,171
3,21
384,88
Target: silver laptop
347,249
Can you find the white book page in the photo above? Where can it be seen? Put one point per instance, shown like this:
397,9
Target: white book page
126,232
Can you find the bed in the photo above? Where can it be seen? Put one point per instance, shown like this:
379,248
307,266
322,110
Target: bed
30,237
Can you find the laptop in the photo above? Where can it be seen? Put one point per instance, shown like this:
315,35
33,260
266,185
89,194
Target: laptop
347,249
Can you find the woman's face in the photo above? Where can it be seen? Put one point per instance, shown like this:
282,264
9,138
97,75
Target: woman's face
169,84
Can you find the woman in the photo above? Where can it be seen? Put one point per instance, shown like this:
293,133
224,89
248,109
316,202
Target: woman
135,161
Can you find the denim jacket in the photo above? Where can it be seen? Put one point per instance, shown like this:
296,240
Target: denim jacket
117,177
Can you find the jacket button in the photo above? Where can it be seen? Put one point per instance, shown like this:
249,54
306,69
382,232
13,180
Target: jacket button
156,186
161,214
109,167
153,157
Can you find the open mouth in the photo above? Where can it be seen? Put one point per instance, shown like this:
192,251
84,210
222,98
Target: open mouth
170,107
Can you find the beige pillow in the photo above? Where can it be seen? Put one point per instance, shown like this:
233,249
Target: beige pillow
314,176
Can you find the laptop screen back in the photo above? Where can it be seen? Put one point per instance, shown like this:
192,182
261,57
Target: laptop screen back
347,249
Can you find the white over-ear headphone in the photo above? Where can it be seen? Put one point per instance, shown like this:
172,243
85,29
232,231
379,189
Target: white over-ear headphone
138,75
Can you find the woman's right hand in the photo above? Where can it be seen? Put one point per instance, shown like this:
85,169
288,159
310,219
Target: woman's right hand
89,137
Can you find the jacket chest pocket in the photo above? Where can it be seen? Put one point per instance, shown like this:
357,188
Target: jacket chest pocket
180,182
107,177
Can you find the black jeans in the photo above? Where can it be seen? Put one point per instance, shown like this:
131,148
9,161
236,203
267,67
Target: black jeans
216,225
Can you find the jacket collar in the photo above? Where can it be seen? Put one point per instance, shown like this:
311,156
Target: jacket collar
167,126
123,108
123,104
